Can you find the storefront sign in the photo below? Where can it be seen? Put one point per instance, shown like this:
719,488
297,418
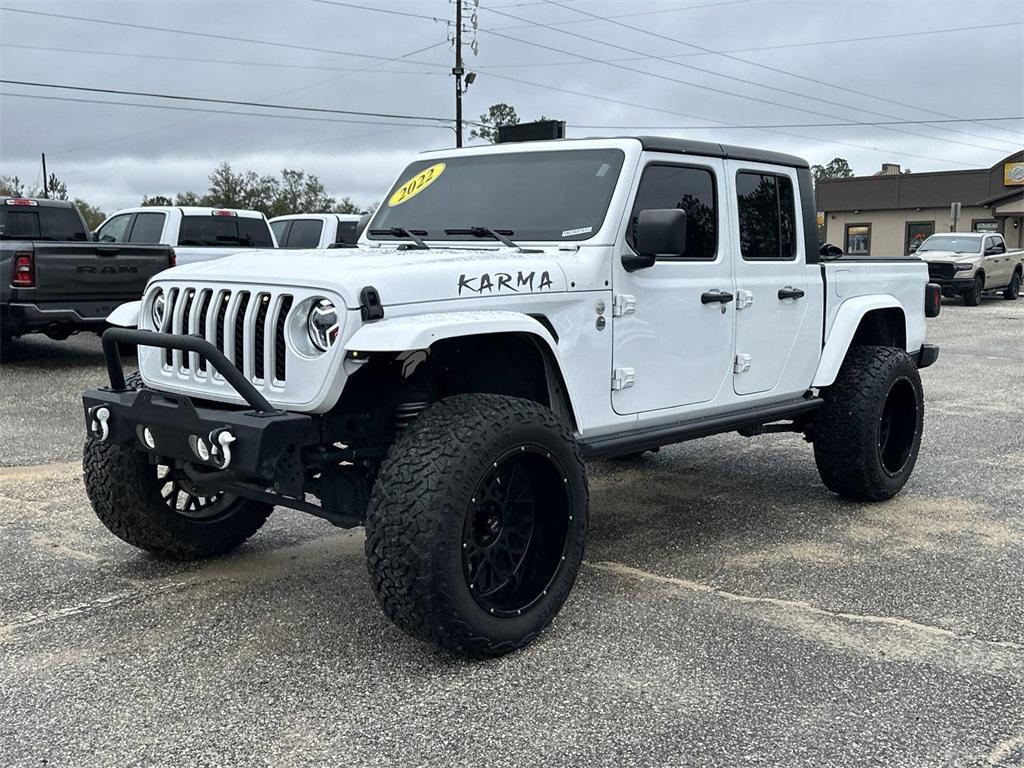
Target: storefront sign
1013,174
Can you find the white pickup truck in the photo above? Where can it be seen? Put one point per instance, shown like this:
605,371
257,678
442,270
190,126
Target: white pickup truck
969,264
196,233
317,230
510,312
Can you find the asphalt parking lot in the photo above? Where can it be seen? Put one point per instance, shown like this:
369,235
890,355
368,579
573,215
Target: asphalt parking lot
730,610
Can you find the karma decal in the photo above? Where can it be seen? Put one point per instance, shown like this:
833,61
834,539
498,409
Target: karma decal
527,282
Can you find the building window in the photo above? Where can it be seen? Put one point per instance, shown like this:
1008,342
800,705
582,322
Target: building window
858,239
917,233
767,212
984,225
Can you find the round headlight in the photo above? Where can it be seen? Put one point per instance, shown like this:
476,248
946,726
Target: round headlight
322,324
157,310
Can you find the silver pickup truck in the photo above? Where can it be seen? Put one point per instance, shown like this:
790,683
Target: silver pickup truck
969,264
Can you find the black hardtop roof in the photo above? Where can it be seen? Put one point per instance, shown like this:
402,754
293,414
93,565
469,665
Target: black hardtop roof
39,201
683,147
710,149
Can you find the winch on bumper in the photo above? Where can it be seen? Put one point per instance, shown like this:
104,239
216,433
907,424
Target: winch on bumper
260,446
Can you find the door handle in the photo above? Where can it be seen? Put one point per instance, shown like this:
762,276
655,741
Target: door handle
721,297
789,292
103,250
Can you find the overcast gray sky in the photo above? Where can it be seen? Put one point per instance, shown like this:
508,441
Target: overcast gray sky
784,63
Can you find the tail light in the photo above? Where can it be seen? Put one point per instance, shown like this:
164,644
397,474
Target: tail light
24,275
932,300
172,260
21,201
220,212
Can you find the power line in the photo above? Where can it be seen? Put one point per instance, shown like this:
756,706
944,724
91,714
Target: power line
380,10
769,68
631,15
201,110
231,102
713,89
209,35
718,123
795,125
777,47
233,62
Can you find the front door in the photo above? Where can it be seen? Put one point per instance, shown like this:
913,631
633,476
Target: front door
778,294
673,322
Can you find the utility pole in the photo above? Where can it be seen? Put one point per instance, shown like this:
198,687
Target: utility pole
458,71
462,79
46,189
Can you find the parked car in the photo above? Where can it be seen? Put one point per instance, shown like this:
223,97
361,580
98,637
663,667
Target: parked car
54,280
317,230
969,264
511,311
195,233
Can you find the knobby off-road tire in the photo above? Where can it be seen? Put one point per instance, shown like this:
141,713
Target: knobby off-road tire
868,432
477,484
127,494
1013,289
972,297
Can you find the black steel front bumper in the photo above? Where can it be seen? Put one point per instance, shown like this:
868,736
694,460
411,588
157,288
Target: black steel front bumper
263,447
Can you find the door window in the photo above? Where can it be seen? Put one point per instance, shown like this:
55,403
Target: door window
279,229
115,230
305,233
347,233
147,228
767,212
858,239
917,233
689,189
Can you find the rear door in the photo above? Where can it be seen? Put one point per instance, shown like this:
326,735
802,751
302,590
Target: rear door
997,263
779,296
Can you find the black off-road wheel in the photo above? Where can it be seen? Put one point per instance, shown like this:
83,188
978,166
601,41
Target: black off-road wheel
476,525
868,432
154,507
1013,289
972,297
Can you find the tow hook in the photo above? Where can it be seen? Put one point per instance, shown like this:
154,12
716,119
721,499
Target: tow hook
220,444
99,415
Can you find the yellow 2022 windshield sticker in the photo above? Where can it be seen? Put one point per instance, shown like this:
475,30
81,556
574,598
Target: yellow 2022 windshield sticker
416,184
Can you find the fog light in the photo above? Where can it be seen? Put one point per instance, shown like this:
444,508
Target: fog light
148,439
199,447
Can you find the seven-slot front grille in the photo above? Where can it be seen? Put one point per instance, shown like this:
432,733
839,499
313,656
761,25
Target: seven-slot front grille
247,326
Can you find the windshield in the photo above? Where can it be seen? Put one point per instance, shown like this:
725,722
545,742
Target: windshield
950,243
558,195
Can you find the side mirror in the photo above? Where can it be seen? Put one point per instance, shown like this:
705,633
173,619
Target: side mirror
829,251
95,237
658,232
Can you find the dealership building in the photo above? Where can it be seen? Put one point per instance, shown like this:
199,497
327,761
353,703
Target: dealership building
891,212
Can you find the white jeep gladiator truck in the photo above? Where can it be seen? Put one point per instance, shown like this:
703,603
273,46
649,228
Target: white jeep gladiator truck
511,312
969,264
317,230
196,233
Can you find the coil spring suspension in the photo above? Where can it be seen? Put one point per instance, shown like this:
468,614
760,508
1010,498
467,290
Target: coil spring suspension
406,413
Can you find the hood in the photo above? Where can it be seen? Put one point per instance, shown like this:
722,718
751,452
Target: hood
400,277
946,257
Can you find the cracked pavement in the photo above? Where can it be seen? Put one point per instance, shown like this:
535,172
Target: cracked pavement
730,610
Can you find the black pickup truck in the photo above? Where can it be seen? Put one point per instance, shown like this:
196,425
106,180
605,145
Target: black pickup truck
54,279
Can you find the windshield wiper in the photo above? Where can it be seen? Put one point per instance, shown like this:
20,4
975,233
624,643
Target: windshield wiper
412,234
501,235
